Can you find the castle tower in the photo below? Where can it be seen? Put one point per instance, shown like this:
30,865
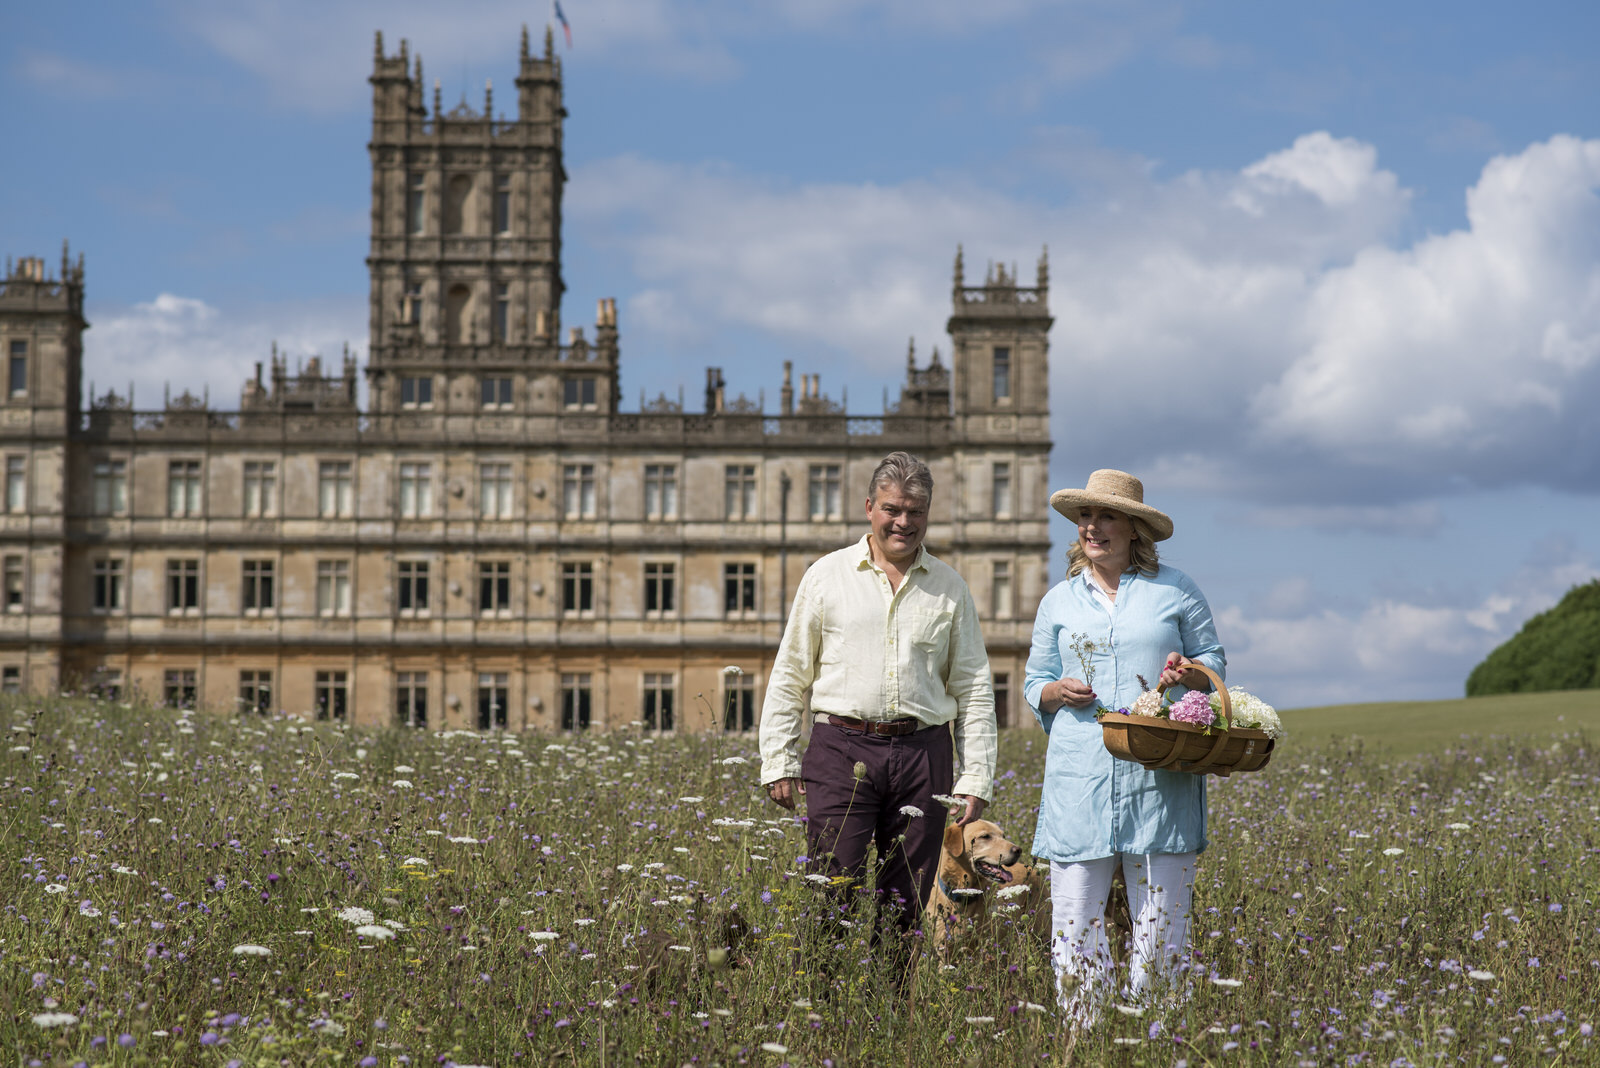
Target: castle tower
41,341
465,259
1001,337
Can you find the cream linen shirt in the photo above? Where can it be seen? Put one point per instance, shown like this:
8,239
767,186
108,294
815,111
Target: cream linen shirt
871,652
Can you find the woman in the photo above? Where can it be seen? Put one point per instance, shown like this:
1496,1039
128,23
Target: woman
1120,615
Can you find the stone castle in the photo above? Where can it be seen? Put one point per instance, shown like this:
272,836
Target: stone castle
494,542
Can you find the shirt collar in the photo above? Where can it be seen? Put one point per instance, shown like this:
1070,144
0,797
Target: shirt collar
1091,584
864,559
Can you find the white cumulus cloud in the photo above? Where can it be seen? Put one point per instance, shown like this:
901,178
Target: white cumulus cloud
175,343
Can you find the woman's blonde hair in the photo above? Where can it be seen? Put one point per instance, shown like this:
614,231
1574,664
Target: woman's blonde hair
1142,554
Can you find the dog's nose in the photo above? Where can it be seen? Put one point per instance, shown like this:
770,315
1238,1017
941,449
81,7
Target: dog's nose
1011,857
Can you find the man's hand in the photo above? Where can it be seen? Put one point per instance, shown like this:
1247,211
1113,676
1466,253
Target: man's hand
975,807
784,791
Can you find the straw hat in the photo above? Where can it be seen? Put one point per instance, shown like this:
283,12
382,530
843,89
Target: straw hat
1116,490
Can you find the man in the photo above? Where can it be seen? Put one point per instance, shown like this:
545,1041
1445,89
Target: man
886,638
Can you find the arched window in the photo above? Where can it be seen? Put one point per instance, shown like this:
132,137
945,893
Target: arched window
457,315
455,204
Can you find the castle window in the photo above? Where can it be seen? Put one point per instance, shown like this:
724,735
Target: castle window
494,697
1002,374
11,679
577,590
411,698
260,488
333,588
739,702
255,692
416,392
659,697
739,491
416,184
661,491
411,303
825,492
660,589
110,487
494,491
183,587
502,203
108,585
494,392
259,595
501,314
183,488
1000,491
494,588
416,491
577,701
332,694
335,489
577,394
16,484
739,590
411,595
577,491
180,687
457,194
18,369
15,584
1000,590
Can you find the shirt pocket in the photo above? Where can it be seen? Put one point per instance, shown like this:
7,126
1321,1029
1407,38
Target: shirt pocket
927,631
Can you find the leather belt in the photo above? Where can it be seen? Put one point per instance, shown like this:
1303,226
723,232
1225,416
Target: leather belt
883,728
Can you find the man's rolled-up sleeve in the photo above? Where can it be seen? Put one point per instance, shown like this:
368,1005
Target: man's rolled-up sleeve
972,687
793,672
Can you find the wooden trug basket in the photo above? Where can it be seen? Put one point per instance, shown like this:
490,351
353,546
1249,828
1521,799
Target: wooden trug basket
1162,745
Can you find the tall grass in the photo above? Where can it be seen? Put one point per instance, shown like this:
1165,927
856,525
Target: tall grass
565,900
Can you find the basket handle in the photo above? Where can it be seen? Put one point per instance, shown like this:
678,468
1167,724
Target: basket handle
1216,684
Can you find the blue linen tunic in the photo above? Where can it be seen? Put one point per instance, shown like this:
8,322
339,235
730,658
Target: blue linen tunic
1092,804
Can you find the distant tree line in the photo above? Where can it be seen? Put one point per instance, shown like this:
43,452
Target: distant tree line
1555,650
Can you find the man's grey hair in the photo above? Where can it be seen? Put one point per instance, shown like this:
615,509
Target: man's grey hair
904,472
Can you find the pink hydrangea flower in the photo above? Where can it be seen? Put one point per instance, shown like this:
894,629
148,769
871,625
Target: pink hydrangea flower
1194,707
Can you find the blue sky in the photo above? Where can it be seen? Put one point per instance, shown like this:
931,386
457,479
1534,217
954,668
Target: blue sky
1327,277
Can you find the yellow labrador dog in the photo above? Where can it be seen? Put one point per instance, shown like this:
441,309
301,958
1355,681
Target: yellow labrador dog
974,860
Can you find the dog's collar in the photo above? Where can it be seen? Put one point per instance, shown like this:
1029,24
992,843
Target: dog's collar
965,897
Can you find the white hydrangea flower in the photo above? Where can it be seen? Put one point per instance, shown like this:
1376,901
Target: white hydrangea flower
1147,704
1251,711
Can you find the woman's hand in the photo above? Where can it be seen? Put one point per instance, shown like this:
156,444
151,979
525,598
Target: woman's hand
1179,672
1065,692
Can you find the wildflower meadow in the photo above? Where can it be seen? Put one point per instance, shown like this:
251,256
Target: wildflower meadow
188,888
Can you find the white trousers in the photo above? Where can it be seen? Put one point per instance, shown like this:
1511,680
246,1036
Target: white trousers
1160,891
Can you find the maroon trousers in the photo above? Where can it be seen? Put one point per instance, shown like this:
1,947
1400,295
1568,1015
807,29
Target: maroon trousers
845,813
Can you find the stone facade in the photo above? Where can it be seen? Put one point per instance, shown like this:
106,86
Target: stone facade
494,541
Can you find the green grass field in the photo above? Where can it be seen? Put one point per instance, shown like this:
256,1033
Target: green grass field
1405,728
228,892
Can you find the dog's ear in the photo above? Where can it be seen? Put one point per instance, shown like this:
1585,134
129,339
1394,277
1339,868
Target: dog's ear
955,840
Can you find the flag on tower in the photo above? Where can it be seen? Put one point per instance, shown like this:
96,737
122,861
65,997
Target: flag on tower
566,28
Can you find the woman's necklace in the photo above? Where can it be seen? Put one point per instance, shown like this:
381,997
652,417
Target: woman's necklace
1109,590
